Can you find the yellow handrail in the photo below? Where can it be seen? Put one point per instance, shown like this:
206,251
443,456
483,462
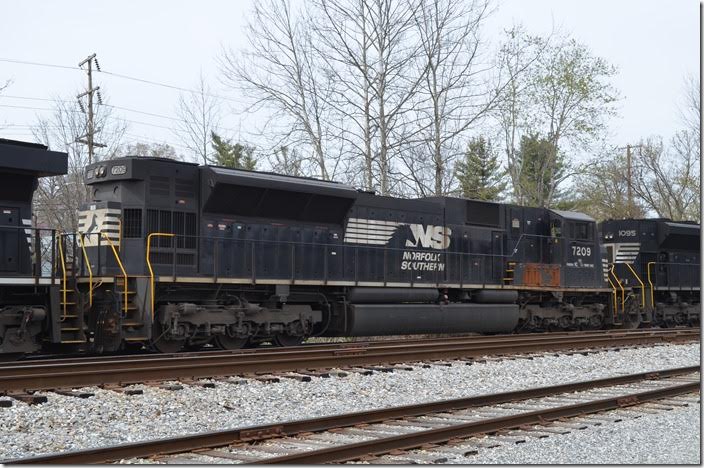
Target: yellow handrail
90,270
642,286
122,268
63,281
652,294
623,291
149,264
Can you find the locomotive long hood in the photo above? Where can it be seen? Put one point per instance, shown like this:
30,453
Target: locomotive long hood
258,194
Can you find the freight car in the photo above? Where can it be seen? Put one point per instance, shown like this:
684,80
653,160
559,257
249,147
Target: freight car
174,255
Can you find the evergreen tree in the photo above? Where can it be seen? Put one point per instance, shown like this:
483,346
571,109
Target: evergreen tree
542,169
235,155
479,174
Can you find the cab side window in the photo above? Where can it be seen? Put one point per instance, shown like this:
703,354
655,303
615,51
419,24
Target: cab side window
581,231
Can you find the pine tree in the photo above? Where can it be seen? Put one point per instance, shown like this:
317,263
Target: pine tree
479,174
542,169
236,156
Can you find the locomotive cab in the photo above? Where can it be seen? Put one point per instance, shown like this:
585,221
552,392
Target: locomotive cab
21,165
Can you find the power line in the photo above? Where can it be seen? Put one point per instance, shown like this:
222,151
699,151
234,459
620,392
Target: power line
120,75
152,114
110,117
25,62
164,85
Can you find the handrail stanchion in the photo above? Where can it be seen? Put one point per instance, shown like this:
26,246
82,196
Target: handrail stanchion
149,265
254,274
215,260
293,263
122,269
63,277
615,295
90,269
173,259
652,288
642,286
623,291
53,257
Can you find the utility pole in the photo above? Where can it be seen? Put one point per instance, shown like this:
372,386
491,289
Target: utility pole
89,137
629,179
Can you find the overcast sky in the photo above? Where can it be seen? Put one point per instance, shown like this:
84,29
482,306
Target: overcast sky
653,43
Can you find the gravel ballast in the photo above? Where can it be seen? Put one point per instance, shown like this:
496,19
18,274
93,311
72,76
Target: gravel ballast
109,418
667,437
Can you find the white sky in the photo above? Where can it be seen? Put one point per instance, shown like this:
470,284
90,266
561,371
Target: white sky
653,43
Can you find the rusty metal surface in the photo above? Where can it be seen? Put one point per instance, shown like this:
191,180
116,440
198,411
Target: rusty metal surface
228,437
417,439
131,369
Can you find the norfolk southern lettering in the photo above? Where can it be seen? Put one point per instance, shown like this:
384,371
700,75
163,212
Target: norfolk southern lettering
422,261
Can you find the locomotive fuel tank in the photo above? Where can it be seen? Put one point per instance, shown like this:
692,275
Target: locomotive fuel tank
409,319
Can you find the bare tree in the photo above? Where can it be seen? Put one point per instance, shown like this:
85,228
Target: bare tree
602,190
668,181
280,72
343,34
287,161
152,150
455,93
199,115
558,89
690,113
58,199
516,56
573,98
371,49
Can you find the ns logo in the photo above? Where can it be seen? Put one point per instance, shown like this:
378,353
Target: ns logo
436,237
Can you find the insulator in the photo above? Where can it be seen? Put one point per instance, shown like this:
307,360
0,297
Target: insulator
97,65
80,104
100,98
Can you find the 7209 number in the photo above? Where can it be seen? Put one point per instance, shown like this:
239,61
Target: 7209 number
580,251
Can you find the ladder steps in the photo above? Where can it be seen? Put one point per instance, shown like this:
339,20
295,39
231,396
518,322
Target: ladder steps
72,341
67,303
70,329
136,338
133,323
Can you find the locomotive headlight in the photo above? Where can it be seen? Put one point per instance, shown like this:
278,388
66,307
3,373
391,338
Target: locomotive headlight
119,169
101,171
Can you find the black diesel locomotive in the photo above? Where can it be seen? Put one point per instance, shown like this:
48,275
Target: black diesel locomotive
175,255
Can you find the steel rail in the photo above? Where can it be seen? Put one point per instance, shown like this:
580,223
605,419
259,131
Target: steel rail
414,440
60,374
289,428
670,333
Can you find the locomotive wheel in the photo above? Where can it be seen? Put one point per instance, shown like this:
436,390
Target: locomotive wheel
226,342
164,345
631,322
285,340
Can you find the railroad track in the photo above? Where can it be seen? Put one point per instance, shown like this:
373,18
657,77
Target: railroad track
448,426
23,378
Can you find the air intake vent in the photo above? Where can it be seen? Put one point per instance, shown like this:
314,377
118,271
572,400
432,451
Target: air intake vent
184,188
159,186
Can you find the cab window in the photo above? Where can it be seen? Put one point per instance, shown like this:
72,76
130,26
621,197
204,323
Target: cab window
581,231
